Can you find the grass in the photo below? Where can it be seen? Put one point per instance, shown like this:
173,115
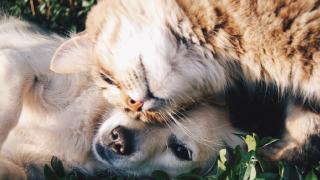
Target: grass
64,16
61,16
246,165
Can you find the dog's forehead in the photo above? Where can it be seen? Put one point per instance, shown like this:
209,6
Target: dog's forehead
119,118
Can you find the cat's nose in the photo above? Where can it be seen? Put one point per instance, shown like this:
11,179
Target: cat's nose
135,106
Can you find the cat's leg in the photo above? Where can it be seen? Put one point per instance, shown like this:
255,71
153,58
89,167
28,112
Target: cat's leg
15,78
9,170
301,141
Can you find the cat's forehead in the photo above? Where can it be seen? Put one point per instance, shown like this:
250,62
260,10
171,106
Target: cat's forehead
115,18
126,48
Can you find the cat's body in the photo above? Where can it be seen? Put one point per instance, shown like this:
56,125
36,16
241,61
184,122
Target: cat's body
156,58
166,54
274,41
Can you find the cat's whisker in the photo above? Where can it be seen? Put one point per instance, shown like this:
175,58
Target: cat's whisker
183,128
199,139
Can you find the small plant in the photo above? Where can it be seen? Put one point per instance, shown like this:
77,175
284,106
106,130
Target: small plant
56,171
61,16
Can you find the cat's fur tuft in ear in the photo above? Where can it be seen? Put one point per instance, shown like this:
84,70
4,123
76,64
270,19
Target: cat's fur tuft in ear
73,55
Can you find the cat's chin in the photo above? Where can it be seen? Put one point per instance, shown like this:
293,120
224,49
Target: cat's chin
153,117
148,117
161,115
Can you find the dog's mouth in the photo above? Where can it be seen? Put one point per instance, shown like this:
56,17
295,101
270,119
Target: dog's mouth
104,154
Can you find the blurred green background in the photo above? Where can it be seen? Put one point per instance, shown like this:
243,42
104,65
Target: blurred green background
61,16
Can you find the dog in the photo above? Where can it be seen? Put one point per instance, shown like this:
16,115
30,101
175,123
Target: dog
41,113
44,114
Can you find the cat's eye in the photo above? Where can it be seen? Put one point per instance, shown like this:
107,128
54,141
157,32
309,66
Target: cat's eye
106,78
179,149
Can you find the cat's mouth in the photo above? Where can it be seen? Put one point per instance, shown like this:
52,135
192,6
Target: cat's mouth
162,115
148,117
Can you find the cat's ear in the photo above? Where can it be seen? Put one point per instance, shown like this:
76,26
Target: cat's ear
73,55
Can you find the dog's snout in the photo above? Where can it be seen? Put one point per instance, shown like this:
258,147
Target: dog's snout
121,141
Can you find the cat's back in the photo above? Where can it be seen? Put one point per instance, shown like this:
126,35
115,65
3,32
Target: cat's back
276,41
232,27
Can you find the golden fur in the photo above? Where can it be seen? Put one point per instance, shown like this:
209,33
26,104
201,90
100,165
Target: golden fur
42,113
60,115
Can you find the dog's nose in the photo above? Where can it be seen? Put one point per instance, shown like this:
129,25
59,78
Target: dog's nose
135,106
120,141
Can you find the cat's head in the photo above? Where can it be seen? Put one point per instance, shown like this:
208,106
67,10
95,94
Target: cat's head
145,56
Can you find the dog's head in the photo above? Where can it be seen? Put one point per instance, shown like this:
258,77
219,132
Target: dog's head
136,148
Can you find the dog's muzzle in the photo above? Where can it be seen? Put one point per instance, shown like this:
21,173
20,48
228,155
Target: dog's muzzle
116,144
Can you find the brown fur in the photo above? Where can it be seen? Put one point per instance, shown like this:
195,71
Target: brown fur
276,41
283,35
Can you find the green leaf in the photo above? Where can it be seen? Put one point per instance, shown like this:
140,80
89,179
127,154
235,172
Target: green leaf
189,177
222,162
251,142
57,166
196,171
86,3
42,8
49,174
267,141
265,166
299,175
222,155
250,172
160,175
240,135
266,176
311,176
283,170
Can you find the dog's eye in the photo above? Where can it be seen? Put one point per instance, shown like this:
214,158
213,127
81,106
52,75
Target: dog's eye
179,149
181,152
106,79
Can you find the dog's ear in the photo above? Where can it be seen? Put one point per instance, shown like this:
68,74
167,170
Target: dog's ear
73,55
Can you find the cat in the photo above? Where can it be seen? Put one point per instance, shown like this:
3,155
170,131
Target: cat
158,57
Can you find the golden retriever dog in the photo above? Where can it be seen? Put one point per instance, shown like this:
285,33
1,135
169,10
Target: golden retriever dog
44,114
41,113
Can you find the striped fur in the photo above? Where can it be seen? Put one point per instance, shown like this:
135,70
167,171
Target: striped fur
169,53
